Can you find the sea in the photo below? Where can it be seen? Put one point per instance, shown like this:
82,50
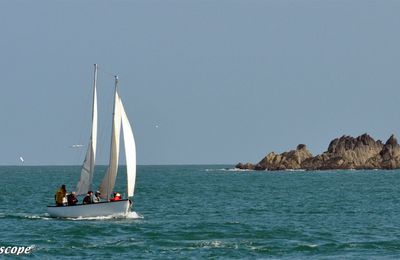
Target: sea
209,212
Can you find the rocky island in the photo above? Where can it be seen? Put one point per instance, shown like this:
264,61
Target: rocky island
346,152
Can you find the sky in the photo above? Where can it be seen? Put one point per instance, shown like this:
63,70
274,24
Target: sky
203,82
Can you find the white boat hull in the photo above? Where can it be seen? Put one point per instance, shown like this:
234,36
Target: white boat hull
101,209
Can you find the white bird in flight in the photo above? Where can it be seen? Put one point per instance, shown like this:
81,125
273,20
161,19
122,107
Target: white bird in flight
76,146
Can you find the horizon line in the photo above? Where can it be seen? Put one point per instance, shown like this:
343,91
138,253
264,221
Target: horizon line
79,165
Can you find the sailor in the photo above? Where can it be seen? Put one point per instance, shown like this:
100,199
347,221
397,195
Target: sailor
60,198
116,197
88,198
97,198
72,200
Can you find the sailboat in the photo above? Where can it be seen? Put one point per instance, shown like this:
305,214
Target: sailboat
107,207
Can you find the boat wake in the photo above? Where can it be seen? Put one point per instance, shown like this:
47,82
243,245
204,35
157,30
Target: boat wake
129,215
22,215
45,216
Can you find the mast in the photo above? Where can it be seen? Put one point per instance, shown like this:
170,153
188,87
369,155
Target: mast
114,147
94,127
113,130
94,91
85,181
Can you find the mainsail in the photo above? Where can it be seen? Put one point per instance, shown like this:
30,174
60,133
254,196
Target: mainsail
85,181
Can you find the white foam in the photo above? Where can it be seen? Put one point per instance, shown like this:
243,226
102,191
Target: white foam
295,170
133,215
310,245
212,244
216,244
228,170
33,216
27,215
95,218
237,170
129,215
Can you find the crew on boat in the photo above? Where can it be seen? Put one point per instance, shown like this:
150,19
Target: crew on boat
88,198
60,196
71,198
97,198
116,196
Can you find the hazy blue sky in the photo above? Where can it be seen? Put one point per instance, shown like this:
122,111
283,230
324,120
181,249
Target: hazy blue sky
225,81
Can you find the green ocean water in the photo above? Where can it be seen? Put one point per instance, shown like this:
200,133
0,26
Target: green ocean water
198,212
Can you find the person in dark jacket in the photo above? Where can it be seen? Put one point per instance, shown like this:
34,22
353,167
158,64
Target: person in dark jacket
88,198
72,200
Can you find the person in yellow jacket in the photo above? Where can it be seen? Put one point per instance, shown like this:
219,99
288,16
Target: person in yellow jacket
60,196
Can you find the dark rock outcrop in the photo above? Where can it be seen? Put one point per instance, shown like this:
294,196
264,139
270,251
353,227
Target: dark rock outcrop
246,166
287,160
346,152
388,157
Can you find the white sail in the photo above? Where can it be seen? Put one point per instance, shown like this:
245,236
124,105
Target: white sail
108,182
85,181
130,153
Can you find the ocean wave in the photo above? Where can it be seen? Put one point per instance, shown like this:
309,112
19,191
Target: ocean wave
307,246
